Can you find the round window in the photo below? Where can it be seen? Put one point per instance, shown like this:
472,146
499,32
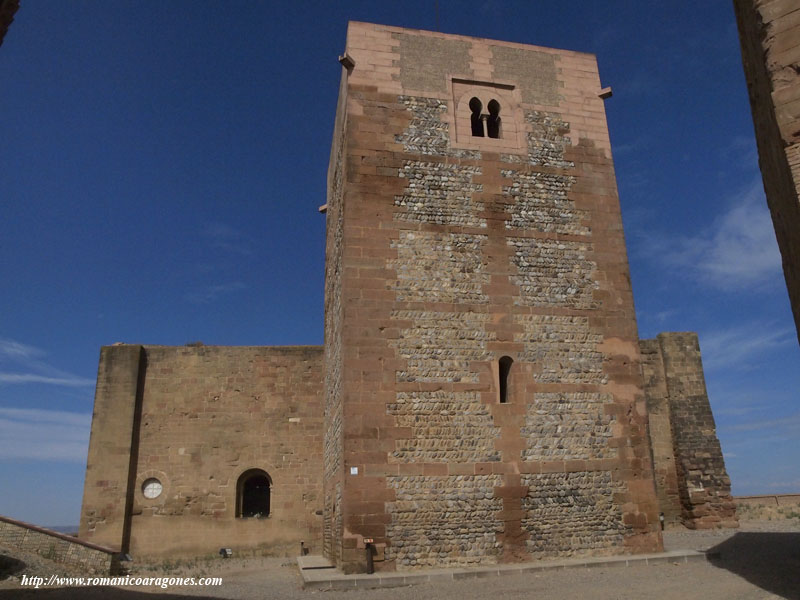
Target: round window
152,488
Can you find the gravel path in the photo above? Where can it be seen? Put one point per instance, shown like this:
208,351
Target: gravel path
760,560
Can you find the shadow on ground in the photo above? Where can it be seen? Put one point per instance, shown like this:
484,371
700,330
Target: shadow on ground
10,566
770,561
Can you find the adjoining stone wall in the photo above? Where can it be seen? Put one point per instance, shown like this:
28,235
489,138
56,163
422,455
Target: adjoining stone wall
205,415
91,559
675,382
769,31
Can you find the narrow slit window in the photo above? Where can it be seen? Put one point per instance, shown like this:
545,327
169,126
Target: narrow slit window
504,370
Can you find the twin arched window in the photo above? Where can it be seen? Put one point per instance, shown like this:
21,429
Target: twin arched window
252,494
485,124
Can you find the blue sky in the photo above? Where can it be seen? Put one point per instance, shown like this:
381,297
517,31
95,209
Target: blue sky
162,163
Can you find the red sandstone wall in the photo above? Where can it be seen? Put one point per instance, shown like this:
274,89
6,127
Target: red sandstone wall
458,251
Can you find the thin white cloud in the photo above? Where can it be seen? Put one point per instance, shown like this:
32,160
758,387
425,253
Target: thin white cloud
789,424
745,343
31,378
742,151
16,350
788,486
739,252
44,434
633,146
225,237
213,292
21,363
738,411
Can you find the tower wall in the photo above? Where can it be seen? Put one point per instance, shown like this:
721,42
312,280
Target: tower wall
451,252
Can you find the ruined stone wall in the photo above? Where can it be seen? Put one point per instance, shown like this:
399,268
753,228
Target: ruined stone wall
91,559
682,415
459,251
769,31
660,428
205,416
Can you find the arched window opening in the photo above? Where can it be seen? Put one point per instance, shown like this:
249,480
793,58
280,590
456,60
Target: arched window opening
504,369
493,120
252,494
476,106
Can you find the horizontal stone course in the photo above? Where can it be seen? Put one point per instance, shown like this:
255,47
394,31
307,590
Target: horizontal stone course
444,520
439,193
439,267
449,427
569,514
554,273
547,141
439,346
564,348
568,426
426,133
541,203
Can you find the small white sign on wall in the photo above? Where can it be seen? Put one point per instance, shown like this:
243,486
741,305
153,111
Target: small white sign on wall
353,470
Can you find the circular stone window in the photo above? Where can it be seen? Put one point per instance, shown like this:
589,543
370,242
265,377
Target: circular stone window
152,488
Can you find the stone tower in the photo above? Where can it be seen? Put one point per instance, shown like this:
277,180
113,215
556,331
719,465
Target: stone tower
483,394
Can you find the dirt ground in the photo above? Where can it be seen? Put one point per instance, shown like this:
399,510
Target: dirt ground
759,560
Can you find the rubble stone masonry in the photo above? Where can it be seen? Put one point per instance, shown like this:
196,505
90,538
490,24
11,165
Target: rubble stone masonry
64,549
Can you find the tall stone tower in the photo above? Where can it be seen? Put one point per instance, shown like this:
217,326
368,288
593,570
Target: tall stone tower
484,400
